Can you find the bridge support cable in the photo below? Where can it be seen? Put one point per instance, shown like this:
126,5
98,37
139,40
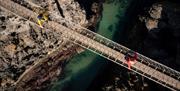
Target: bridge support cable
118,58
124,50
106,48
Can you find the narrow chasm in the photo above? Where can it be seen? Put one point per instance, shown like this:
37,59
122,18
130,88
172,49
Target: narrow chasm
59,8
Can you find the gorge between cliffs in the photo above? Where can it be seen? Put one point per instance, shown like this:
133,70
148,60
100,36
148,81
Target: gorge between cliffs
37,59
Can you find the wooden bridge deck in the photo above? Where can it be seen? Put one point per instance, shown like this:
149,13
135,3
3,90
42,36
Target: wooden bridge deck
99,47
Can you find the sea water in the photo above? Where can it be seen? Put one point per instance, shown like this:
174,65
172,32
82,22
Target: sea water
84,67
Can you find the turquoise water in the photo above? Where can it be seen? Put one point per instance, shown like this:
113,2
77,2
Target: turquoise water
83,68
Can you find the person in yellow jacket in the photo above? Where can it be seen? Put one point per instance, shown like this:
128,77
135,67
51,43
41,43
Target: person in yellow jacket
41,18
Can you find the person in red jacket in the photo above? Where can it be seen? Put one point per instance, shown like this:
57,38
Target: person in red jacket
130,60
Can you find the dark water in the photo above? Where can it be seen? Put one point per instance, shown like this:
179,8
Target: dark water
84,67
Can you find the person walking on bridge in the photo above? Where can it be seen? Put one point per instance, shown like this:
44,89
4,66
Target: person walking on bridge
41,18
130,60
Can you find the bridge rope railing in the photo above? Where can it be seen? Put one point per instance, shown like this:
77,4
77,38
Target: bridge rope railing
124,50
163,81
100,39
147,61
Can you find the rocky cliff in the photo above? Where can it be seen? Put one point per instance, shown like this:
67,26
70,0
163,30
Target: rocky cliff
23,44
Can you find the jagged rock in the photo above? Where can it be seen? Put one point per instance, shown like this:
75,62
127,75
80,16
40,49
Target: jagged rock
151,24
155,14
155,11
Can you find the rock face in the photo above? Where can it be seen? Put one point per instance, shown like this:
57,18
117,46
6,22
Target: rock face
23,43
68,9
155,14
